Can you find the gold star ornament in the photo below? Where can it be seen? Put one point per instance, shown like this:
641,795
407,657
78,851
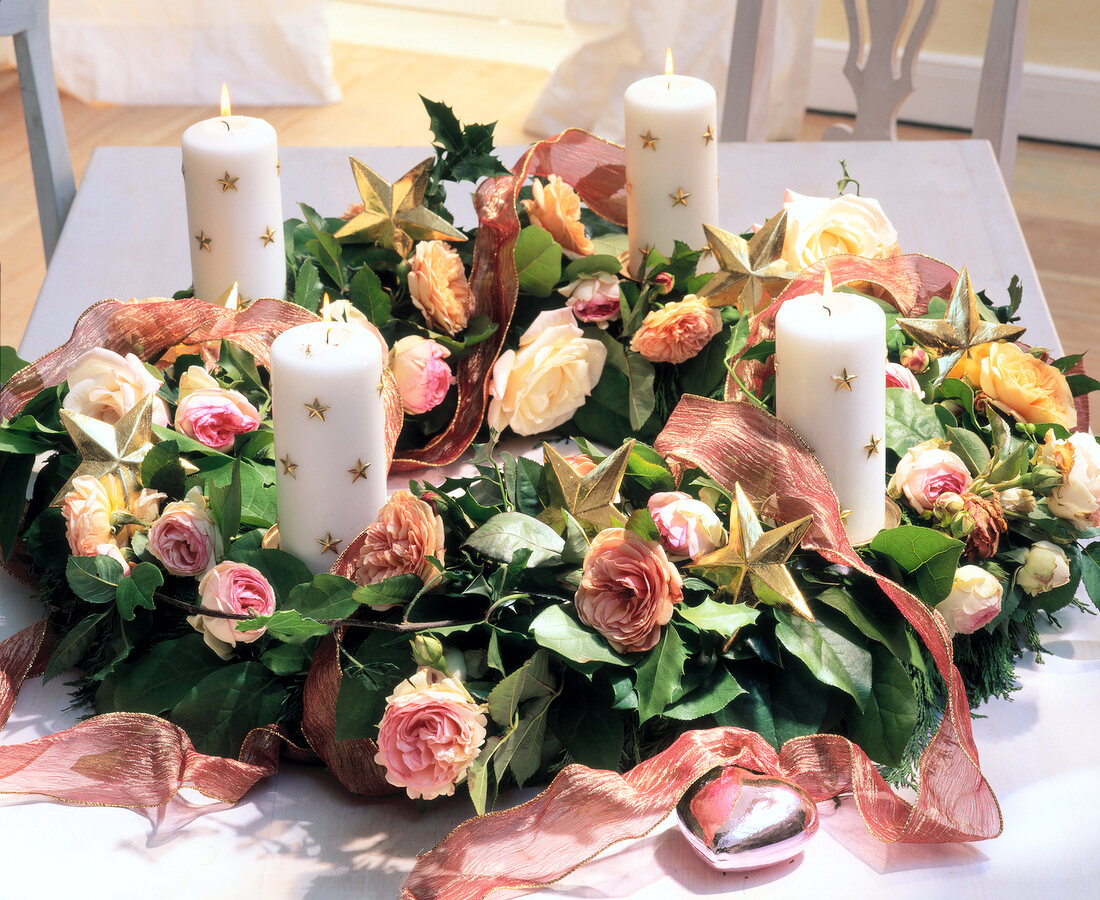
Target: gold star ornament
289,468
204,241
315,410
649,142
268,237
228,182
110,449
844,381
679,198
591,497
747,270
873,446
359,470
753,562
708,135
393,214
329,544
954,336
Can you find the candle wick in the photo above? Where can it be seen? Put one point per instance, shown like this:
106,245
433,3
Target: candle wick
328,334
829,311
226,124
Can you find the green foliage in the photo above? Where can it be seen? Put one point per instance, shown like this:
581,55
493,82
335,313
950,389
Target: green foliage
909,421
538,261
929,555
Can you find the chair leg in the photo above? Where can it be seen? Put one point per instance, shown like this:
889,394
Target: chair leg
997,117
748,84
53,170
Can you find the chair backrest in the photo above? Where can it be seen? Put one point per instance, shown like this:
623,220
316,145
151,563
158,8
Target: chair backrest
27,21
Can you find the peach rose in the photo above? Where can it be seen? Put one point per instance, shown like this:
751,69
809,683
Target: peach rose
556,208
1077,458
429,734
900,377
234,588
399,540
925,472
106,386
593,298
1045,568
186,538
627,589
1025,386
676,332
974,601
582,462
688,527
437,285
818,227
545,382
89,507
211,414
422,377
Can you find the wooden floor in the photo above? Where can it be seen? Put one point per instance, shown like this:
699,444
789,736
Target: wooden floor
1056,192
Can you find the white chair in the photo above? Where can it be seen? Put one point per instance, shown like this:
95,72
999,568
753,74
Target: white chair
27,21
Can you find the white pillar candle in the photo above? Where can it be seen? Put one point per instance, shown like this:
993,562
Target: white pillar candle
234,207
330,471
671,164
830,387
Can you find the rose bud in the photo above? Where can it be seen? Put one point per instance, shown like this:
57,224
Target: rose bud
422,377
915,359
989,525
427,650
1045,568
593,298
688,527
1018,501
900,377
663,283
974,601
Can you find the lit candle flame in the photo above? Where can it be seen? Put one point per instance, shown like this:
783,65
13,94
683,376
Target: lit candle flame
225,100
668,61
326,313
827,284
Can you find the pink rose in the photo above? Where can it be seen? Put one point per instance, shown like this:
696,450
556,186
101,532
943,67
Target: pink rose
915,359
185,538
106,386
210,414
593,298
974,601
627,589
237,589
423,379
399,541
112,551
430,733
925,472
582,462
688,527
897,376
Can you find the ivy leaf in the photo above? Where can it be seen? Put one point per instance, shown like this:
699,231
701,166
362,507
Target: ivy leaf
368,296
723,618
639,372
930,555
538,261
659,674
395,589
832,658
530,680
137,589
715,694
970,448
75,643
160,679
556,630
508,532
94,579
909,420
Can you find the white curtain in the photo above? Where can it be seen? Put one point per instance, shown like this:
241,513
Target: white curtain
163,52
620,41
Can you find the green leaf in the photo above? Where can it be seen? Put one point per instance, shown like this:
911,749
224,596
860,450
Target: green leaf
908,420
307,287
286,659
716,694
639,372
161,469
326,597
324,247
521,749
723,618
478,776
93,579
886,721
532,679
831,658
591,265
137,589
1090,572
288,625
873,619
220,710
395,589
1080,384
15,473
538,261
930,555
75,643
225,503
970,448
507,532
160,679
10,363
188,445
658,675
556,630
592,733
367,295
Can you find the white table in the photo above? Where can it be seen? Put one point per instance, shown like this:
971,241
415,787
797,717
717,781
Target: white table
300,835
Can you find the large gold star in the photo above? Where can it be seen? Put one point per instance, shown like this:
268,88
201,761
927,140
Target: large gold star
110,449
753,562
954,336
591,497
748,269
392,213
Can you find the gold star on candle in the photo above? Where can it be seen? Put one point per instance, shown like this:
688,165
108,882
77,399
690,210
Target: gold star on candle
844,380
268,237
289,468
110,449
359,470
649,142
590,497
278,166
392,213
204,241
679,198
708,135
753,562
316,409
381,385
954,336
873,446
748,269
329,544
228,182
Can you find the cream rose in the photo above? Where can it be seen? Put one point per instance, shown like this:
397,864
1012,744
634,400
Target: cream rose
438,287
1045,568
818,227
556,208
186,538
237,589
688,527
925,472
974,601
106,386
1077,498
546,381
1032,390
89,507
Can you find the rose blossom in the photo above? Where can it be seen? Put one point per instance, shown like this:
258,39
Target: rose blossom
1018,501
627,589
925,472
582,462
235,588
974,601
89,507
898,376
593,298
989,524
422,377
437,285
677,332
1027,387
818,227
915,359
112,551
210,414
1077,498
555,207
429,734
545,382
399,542
106,386
1045,568
185,538
688,527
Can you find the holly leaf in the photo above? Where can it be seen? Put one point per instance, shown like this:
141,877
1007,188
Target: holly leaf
723,618
137,589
